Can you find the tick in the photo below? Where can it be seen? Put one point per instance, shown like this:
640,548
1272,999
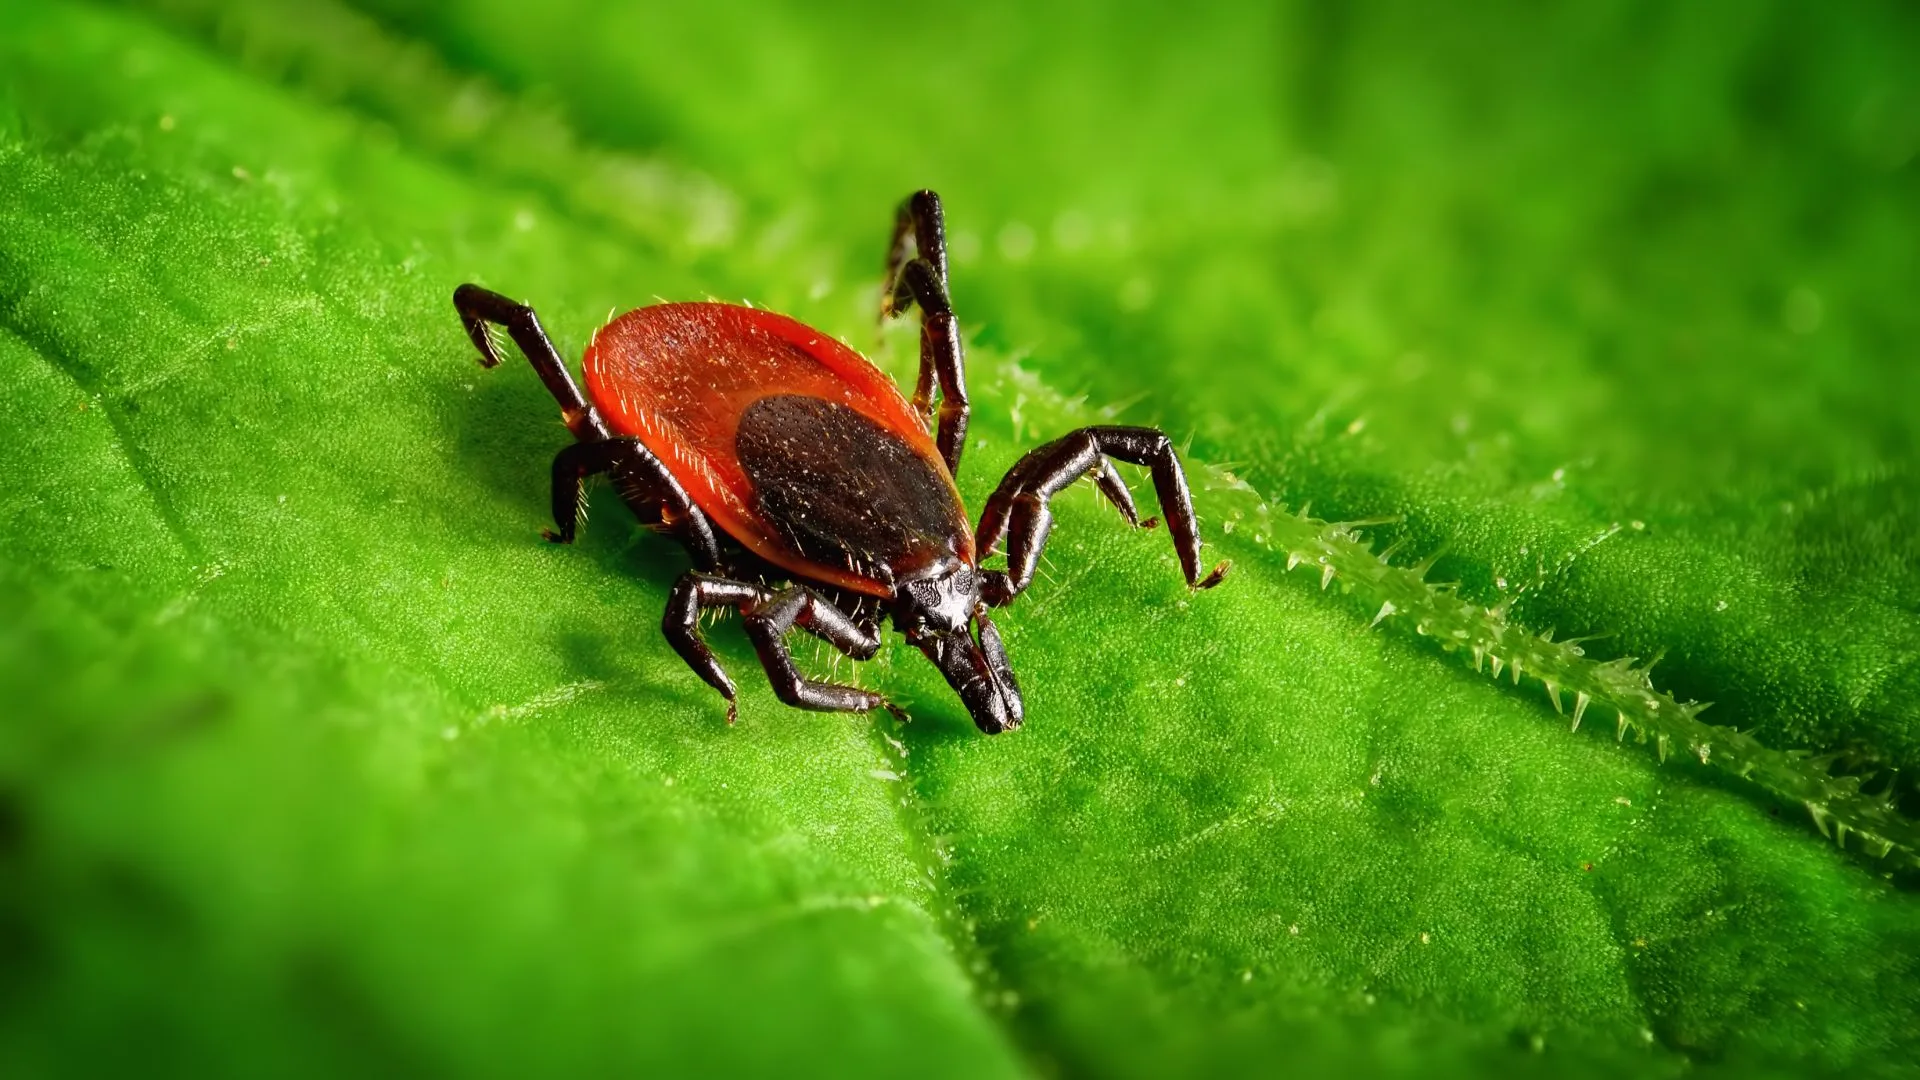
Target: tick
809,492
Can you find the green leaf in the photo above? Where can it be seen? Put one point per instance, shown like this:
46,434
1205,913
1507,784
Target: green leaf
316,758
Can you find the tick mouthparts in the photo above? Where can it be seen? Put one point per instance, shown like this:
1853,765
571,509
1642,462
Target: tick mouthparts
978,671
995,655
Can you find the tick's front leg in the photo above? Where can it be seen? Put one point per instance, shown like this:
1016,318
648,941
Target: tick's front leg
769,615
1018,510
768,623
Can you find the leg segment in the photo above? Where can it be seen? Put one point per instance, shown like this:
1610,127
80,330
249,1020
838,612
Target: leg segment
917,274
768,624
478,307
919,231
643,482
769,615
692,594
1018,509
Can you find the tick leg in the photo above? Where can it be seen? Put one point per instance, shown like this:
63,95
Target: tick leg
767,625
643,482
1018,509
478,307
917,273
646,485
769,615
692,594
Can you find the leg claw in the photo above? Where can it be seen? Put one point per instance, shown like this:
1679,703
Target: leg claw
1218,575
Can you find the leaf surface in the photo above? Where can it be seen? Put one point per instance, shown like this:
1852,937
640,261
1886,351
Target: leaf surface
320,758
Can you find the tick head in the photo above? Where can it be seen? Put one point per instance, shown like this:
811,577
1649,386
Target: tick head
939,603
943,616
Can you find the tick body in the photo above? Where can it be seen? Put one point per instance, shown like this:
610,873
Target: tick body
809,492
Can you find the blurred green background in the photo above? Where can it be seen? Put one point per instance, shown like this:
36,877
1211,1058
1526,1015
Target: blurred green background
316,759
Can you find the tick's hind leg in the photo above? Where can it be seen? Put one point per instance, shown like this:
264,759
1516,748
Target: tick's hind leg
646,486
917,274
769,614
478,307
1018,509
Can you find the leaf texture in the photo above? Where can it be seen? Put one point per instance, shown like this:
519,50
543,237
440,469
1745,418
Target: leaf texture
316,758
